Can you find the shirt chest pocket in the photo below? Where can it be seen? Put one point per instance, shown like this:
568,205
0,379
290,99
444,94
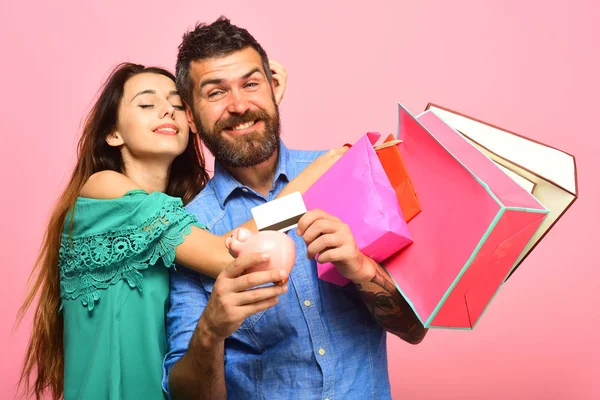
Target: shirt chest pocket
250,322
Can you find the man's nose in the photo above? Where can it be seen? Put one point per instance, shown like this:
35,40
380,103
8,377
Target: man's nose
238,104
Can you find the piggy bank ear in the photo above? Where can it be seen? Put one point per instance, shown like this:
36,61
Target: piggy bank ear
235,242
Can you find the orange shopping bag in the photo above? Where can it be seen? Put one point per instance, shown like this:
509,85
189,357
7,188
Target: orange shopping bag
396,171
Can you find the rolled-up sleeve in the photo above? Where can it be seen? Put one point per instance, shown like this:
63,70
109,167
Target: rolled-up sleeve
188,299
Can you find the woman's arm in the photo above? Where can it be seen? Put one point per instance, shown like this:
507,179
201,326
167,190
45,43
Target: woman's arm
304,180
201,250
215,255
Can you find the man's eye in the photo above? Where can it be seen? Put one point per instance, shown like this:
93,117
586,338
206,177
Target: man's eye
215,93
251,84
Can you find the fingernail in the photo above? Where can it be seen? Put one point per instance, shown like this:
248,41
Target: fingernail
264,256
282,273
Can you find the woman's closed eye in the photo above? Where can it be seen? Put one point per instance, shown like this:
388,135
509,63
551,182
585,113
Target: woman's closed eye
175,106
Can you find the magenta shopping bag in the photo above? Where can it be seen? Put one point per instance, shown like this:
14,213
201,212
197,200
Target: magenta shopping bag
357,190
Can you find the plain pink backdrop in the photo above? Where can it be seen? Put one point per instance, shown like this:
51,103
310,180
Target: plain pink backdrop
528,66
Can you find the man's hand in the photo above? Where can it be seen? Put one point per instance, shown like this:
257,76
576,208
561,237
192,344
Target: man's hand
233,298
332,240
200,373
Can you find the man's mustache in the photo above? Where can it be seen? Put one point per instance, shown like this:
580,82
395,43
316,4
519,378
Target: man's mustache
241,119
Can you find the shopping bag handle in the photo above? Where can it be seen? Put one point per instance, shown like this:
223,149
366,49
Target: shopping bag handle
387,144
380,146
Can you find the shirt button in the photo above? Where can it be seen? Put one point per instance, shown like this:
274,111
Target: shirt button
322,351
307,303
244,190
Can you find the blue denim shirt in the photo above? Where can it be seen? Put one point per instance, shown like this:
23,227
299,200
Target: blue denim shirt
318,342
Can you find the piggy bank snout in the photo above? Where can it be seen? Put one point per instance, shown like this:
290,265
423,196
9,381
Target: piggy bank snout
279,246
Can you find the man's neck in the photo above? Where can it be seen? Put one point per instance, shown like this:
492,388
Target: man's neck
258,177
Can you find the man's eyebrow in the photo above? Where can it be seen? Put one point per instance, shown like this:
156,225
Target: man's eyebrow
210,82
249,74
219,80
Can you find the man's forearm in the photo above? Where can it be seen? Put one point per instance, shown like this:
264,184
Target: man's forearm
388,307
200,373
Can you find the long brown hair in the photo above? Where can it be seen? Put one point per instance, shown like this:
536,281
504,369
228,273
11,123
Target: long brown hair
44,359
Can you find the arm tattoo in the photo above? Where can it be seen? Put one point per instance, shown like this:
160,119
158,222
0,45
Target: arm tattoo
390,309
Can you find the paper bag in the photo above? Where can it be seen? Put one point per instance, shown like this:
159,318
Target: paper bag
396,171
548,173
357,191
475,224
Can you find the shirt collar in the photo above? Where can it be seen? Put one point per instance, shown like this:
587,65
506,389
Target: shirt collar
224,184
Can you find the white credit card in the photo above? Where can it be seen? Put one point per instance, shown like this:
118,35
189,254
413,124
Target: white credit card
280,214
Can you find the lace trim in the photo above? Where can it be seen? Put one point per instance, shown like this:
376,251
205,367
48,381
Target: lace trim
94,262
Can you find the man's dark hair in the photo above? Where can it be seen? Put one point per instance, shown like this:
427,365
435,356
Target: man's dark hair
219,39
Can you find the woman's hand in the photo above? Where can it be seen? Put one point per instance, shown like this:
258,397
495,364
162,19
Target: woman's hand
279,79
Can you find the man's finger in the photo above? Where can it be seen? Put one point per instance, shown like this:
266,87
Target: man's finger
331,255
309,218
242,263
322,243
318,228
252,309
254,296
254,279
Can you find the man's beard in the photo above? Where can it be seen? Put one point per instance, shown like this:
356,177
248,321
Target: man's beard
244,150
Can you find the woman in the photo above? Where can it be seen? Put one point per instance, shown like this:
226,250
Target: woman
98,331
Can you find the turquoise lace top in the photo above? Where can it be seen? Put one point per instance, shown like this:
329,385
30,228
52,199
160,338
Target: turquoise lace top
114,288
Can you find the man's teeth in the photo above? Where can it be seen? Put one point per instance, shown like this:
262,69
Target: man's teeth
166,130
241,127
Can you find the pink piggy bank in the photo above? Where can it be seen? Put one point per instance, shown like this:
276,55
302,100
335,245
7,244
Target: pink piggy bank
279,246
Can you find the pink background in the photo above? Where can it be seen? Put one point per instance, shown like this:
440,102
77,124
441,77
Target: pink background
528,66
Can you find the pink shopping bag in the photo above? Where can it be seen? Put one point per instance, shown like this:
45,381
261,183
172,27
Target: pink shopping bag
475,224
357,190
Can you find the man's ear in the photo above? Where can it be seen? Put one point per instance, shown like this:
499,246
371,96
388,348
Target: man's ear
114,139
190,117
